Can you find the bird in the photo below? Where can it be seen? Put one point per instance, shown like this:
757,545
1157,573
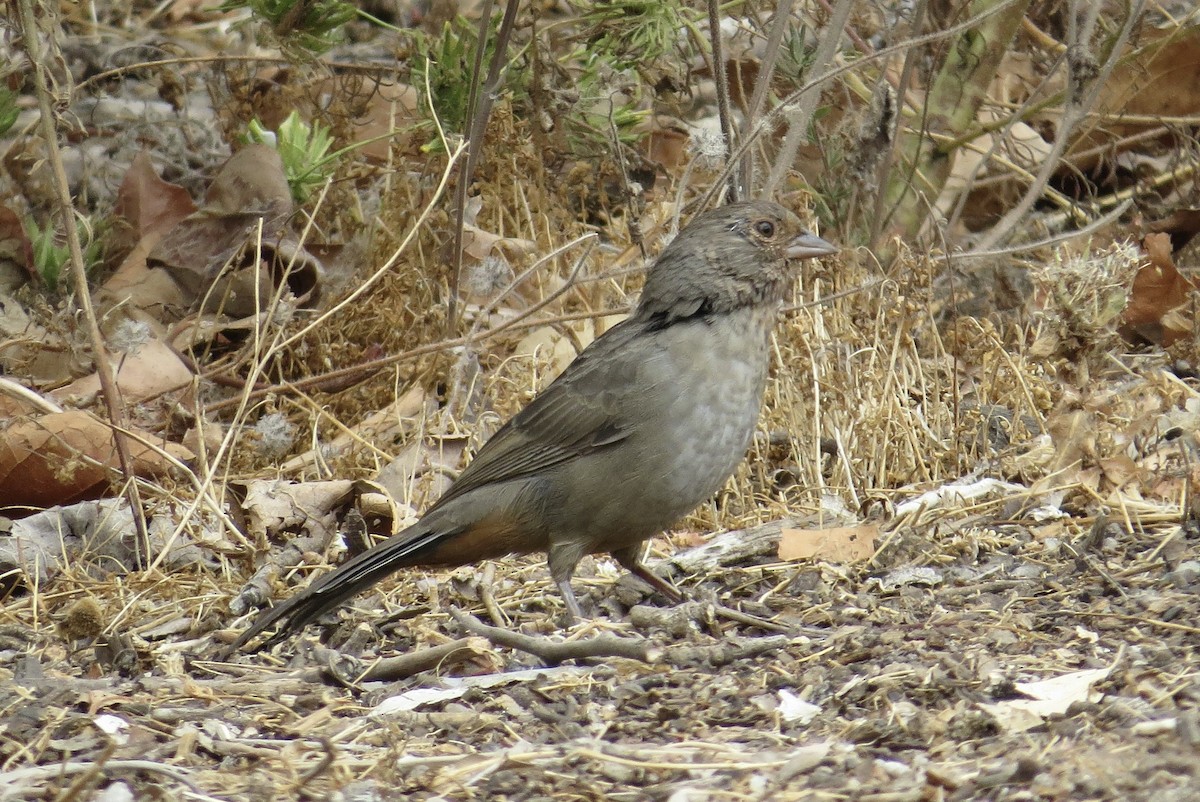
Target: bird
645,424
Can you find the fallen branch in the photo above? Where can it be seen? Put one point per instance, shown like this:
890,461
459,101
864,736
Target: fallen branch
406,665
732,548
677,621
554,652
725,652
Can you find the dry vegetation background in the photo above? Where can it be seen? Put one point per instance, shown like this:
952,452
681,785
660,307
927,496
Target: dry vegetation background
960,562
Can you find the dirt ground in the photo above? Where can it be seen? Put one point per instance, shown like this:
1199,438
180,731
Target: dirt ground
887,687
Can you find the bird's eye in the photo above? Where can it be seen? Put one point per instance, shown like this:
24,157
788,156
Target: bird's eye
765,227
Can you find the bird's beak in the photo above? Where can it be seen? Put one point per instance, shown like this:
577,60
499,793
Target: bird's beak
809,246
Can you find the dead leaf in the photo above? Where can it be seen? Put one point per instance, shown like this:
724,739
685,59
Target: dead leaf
153,206
1159,304
666,142
150,289
29,350
69,456
431,464
1048,697
838,544
102,533
1019,142
215,253
1181,225
153,370
252,180
480,244
173,266
196,252
549,342
1157,79
389,110
275,508
15,247
16,399
381,428
1120,470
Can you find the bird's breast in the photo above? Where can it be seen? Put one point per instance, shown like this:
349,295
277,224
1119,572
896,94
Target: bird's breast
712,387
693,412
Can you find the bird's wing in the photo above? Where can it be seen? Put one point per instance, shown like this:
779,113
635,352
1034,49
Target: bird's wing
580,412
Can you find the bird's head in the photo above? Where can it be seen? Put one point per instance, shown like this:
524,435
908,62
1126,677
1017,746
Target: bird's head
727,258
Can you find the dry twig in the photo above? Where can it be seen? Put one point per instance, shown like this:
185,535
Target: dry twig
553,652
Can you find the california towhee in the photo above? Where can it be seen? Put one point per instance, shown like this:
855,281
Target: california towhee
647,422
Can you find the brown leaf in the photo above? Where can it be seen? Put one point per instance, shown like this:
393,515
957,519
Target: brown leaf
149,203
252,180
194,251
153,370
838,544
27,349
1182,225
155,208
1157,79
1120,470
1159,293
666,142
150,289
250,188
423,464
479,244
391,109
275,508
69,456
15,246
552,342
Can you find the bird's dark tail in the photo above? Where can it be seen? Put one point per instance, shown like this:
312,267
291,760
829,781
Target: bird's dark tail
349,579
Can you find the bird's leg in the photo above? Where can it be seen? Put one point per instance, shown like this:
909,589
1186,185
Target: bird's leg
562,559
568,594
631,558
